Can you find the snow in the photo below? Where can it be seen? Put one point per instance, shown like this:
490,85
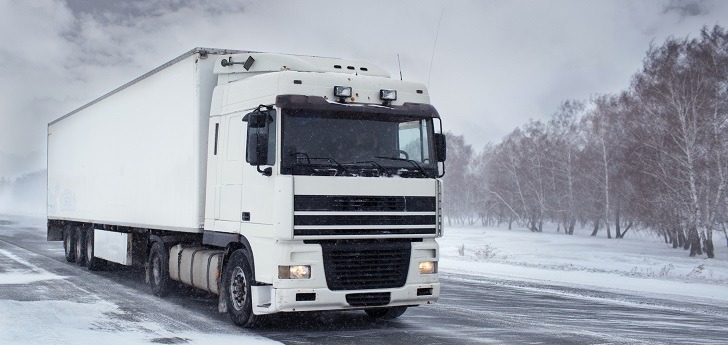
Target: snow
38,306
66,322
36,312
25,275
639,263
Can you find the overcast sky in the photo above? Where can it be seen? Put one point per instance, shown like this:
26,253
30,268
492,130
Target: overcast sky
496,64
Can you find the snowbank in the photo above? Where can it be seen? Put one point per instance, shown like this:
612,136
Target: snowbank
638,263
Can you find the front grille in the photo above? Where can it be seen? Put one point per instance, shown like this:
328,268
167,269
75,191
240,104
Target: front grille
368,299
349,203
358,265
368,203
364,220
366,232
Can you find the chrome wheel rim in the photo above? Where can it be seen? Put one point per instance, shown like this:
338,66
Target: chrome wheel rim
237,288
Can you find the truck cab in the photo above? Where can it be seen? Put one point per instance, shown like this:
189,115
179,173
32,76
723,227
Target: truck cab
325,174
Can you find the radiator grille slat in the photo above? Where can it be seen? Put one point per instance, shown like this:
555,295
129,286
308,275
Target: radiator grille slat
366,265
364,203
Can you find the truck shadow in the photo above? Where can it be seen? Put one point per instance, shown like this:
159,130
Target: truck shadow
276,326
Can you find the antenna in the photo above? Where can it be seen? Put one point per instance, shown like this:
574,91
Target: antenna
400,67
437,34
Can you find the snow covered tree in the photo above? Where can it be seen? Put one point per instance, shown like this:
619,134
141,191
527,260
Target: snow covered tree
681,98
456,194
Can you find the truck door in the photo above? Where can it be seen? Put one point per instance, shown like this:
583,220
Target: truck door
231,177
258,183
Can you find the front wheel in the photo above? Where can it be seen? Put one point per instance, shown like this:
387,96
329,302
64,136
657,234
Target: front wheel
238,279
385,313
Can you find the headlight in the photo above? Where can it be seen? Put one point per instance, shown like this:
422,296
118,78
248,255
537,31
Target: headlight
428,267
294,272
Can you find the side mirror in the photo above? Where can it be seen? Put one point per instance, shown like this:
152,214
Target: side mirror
257,119
256,152
440,147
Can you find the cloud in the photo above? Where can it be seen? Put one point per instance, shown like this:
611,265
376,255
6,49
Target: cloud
687,8
496,63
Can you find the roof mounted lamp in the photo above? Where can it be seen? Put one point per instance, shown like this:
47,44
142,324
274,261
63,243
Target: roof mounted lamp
343,92
388,96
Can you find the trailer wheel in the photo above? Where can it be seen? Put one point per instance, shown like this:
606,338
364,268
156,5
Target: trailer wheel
80,247
69,243
385,313
92,262
238,278
159,278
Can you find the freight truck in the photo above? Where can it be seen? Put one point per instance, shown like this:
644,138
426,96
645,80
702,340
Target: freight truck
278,182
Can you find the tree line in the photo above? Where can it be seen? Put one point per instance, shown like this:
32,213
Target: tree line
653,156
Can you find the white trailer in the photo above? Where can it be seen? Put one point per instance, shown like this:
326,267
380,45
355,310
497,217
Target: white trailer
279,182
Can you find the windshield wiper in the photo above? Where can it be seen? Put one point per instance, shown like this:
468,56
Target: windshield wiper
378,167
309,159
419,168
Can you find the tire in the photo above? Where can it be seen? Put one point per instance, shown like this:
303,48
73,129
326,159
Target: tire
92,262
80,247
159,279
69,243
385,313
237,280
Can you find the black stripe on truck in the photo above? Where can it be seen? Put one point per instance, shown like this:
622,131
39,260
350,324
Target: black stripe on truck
364,203
364,220
355,232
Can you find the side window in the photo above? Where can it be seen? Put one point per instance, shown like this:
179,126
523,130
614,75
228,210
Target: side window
412,138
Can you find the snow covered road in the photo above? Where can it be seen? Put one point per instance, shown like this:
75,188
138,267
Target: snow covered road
44,299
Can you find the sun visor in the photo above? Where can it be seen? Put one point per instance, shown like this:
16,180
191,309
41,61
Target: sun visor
322,104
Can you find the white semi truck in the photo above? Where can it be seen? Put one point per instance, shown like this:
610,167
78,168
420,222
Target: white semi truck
278,182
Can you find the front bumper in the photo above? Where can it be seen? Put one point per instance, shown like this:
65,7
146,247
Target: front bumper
268,300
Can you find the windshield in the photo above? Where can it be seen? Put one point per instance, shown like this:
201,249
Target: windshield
319,142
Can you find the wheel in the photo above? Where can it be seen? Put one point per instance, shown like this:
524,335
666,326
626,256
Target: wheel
237,280
159,278
80,247
92,262
385,313
69,243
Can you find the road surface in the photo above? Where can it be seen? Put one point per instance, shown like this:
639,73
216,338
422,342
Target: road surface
471,309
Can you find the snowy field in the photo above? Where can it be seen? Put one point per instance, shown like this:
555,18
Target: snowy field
639,263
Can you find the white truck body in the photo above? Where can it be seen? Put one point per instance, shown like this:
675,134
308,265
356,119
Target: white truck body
135,160
160,173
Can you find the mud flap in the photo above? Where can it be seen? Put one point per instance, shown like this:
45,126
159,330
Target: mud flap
55,233
221,288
